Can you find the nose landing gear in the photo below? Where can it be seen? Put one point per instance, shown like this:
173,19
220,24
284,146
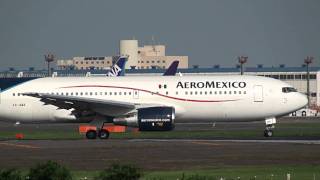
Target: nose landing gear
270,122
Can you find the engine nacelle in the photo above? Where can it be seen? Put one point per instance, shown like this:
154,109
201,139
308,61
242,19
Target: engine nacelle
150,119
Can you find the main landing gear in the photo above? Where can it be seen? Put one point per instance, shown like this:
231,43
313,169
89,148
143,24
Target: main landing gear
100,132
270,122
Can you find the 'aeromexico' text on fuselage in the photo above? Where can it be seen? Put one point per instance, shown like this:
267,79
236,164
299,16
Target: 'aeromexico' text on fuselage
211,84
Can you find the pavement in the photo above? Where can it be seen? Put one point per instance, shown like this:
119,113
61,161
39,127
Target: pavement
161,154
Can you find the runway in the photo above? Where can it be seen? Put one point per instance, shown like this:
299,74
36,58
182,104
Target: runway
159,154
165,153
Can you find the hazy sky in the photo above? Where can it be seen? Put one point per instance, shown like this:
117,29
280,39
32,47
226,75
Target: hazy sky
270,32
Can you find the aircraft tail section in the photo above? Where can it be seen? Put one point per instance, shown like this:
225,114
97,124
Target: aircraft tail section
119,67
172,70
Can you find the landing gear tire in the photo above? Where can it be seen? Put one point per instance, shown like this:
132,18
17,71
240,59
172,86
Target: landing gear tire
268,133
91,134
103,134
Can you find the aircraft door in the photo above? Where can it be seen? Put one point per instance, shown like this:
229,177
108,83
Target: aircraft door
258,93
135,94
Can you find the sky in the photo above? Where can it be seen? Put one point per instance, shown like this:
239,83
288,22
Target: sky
210,32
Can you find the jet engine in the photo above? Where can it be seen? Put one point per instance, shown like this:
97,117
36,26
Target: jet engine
150,119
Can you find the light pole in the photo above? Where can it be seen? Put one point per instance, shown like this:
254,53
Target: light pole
49,58
307,61
242,60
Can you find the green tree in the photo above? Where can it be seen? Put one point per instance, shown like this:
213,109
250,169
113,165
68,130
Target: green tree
120,172
49,171
10,174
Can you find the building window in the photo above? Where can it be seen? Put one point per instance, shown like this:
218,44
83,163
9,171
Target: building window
313,76
290,76
297,76
158,61
97,62
147,61
152,61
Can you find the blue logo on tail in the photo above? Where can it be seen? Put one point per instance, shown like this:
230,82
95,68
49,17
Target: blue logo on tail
118,68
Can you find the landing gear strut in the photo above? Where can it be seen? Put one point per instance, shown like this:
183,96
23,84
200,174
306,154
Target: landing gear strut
268,132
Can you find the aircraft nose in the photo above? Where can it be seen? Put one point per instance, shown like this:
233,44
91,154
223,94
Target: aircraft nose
303,100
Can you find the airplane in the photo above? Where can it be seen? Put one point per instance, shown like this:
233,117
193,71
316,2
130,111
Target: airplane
150,103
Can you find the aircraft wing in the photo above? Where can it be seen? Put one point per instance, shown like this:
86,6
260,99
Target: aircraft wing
84,104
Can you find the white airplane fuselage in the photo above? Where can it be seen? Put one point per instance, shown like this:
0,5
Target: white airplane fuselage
217,98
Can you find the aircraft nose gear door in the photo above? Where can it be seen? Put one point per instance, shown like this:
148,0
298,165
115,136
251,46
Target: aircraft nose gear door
258,93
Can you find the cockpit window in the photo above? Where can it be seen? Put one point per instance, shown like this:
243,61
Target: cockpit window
288,89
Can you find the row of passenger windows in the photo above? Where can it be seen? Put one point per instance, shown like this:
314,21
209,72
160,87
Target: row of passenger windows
129,93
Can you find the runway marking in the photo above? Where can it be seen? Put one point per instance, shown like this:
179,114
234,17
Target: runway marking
20,145
205,143
311,142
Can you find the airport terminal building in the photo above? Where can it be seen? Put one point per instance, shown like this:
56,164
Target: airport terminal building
145,57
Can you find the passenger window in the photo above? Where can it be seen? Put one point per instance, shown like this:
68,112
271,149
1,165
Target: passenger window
96,93
90,93
176,92
186,93
239,92
125,93
235,92
129,93
205,92
244,92
106,93
200,92
120,93
190,92
195,93
220,92
115,93
230,92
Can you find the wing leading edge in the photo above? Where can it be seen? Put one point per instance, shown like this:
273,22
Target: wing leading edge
81,104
